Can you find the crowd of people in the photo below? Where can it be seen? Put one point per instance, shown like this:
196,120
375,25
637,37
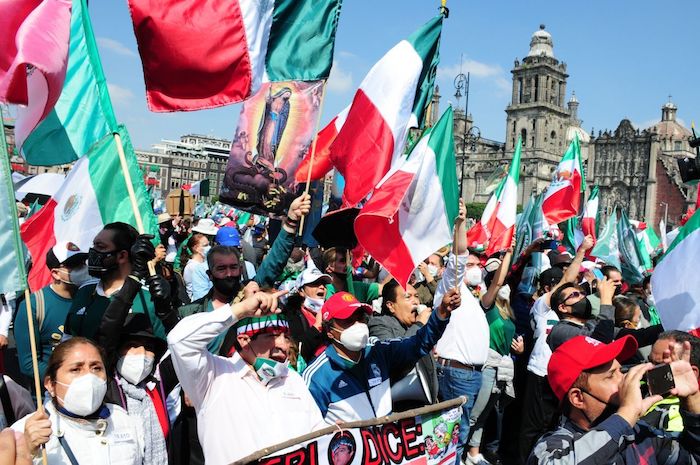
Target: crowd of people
216,340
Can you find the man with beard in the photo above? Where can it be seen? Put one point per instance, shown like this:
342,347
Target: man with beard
225,269
602,408
118,253
50,305
250,400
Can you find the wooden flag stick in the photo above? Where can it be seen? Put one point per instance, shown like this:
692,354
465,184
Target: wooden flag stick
313,153
132,194
35,364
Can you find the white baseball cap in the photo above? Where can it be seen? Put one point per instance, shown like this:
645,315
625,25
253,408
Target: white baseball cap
64,252
206,226
311,275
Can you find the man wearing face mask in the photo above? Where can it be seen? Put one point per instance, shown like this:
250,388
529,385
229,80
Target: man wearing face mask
612,274
602,409
50,305
351,380
250,400
576,317
430,271
118,252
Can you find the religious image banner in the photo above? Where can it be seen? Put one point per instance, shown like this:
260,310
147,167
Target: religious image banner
275,130
425,436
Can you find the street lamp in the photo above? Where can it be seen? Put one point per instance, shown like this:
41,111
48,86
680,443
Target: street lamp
470,135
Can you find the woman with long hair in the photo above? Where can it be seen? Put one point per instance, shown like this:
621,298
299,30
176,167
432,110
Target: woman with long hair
194,261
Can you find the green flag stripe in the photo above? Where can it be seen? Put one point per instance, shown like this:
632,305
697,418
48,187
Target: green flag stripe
426,42
302,38
441,142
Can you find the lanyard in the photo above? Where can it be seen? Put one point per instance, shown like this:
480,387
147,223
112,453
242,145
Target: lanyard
67,450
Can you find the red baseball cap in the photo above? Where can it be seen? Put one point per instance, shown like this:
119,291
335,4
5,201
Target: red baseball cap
341,306
583,353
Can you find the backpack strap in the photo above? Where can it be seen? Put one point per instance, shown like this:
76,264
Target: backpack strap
40,310
6,402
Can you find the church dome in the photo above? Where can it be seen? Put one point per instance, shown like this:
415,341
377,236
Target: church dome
541,44
583,136
669,127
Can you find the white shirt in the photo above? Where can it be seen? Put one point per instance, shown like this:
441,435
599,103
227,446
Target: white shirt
466,338
236,413
542,319
118,445
6,315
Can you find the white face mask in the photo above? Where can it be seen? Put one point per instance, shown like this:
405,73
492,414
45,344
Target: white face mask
433,270
85,394
135,368
650,300
504,292
418,276
313,304
473,276
268,369
205,250
355,337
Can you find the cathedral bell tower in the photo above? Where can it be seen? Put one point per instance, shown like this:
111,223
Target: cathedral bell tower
538,114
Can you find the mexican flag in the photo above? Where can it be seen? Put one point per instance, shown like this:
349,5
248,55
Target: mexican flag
589,222
649,244
34,37
83,113
633,266
411,212
495,230
93,194
606,247
322,157
204,54
676,292
391,99
563,197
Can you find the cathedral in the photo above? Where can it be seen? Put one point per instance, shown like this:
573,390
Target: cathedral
635,169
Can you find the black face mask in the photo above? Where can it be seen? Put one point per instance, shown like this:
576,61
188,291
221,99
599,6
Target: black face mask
618,289
227,286
582,309
609,411
101,264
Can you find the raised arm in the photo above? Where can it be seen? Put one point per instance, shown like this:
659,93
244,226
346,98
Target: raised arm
572,271
488,299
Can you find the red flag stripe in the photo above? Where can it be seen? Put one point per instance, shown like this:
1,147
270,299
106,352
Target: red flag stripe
38,235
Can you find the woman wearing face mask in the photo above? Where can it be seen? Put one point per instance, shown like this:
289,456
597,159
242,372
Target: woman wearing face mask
627,318
194,260
139,379
50,305
77,426
303,311
498,372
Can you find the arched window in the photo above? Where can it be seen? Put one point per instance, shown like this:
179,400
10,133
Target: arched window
523,135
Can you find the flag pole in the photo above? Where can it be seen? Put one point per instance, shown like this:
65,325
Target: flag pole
132,194
313,153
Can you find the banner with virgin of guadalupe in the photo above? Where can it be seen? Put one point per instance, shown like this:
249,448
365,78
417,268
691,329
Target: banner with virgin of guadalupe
274,132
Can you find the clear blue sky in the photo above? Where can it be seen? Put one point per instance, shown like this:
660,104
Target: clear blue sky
624,59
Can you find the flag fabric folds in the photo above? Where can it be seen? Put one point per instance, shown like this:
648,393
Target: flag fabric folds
563,197
322,161
93,194
676,296
495,230
83,114
589,222
412,210
200,55
632,265
391,99
606,247
13,276
33,61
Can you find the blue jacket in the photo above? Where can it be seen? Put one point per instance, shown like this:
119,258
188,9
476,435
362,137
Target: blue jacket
347,391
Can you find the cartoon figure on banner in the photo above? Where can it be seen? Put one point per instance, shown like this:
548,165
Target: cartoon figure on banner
342,449
432,447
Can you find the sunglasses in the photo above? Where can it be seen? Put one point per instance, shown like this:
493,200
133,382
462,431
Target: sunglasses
574,294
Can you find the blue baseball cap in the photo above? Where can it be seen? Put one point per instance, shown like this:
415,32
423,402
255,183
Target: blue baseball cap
228,236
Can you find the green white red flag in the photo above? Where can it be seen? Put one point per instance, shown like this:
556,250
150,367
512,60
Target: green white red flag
93,194
412,210
495,230
391,99
676,294
563,197
203,54
591,214
606,247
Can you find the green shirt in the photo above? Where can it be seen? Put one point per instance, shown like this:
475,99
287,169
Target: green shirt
47,336
89,306
501,331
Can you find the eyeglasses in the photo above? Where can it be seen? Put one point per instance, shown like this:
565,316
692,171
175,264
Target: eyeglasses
574,294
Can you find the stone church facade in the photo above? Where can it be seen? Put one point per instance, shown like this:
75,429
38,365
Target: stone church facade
634,169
